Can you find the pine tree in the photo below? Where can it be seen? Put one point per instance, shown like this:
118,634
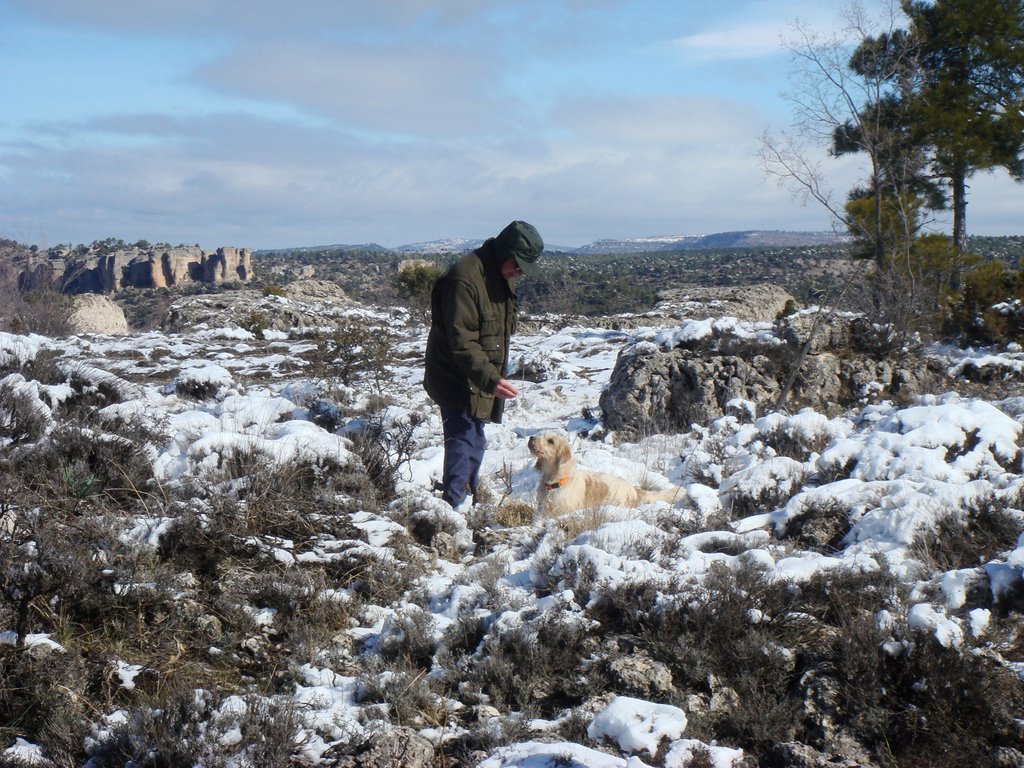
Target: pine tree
969,104
884,212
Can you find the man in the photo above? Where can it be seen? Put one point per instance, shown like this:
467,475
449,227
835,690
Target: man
473,315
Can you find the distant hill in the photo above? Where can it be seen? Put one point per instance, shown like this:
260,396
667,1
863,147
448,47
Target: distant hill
744,239
451,245
362,247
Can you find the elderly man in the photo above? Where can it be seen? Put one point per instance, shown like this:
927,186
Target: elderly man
473,315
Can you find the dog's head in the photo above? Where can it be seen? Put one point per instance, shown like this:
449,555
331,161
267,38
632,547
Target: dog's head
552,452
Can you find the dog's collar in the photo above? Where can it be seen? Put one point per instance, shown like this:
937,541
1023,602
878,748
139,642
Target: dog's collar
557,484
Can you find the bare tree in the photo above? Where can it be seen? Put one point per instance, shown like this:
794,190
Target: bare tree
847,97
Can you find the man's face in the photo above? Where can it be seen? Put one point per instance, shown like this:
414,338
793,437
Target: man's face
510,268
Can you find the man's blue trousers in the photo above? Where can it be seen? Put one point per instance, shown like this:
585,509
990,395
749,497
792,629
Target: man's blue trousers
464,445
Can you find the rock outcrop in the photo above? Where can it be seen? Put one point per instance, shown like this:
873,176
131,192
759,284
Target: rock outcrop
752,303
672,382
96,314
148,267
303,304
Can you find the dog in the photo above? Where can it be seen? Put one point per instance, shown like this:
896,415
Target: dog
563,488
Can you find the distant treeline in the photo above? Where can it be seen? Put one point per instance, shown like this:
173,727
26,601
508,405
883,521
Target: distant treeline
598,284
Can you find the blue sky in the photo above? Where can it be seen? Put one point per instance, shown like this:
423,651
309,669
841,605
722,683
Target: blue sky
268,124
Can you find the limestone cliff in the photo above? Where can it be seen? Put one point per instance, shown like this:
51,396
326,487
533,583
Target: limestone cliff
157,266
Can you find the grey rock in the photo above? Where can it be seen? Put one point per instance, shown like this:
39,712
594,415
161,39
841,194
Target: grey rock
797,755
306,304
753,303
641,675
654,389
388,747
446,546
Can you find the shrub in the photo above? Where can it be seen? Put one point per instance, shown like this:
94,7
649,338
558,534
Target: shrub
930,703
415,281
514,514
763,487
408,698
145,308
185,728
905,293
790,439
385,449
305,615
788,309
377,578
23,416
821,525
537,667
274,290
353,352
77,465
228,519
408,638
44,312
984,529
41,700
256,323
987,309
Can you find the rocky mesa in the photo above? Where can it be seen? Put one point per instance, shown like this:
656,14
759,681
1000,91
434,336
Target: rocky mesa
157,266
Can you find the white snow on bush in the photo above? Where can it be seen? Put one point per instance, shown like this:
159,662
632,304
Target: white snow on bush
885,475
16,351
947,631
637,725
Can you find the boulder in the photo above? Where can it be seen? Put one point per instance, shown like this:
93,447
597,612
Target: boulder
641,675
317,291
92,313
658,389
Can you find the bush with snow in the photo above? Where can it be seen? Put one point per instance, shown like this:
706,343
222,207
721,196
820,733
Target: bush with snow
257,573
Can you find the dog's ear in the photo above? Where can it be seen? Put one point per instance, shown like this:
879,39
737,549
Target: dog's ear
563,452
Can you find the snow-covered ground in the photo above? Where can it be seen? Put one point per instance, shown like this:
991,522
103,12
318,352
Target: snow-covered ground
896,472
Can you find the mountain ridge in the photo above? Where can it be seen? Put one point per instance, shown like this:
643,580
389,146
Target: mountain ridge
752,238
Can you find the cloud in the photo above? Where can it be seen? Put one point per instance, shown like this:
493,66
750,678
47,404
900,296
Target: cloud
618,167
754,30
218,179
746,41
431,124
387,89
245,17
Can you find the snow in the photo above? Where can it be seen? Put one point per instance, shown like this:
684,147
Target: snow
637,725
23,753
894,470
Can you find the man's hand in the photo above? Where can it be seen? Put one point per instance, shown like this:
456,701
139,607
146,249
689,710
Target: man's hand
504,390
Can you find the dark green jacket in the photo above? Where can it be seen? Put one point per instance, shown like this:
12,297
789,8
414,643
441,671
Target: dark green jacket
473,316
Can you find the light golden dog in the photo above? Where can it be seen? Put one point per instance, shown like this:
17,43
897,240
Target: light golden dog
564,488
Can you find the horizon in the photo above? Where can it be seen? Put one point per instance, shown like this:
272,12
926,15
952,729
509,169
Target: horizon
549,247
325,122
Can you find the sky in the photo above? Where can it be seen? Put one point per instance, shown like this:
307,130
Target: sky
265,125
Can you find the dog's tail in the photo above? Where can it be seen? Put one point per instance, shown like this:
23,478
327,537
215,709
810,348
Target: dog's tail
672,495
